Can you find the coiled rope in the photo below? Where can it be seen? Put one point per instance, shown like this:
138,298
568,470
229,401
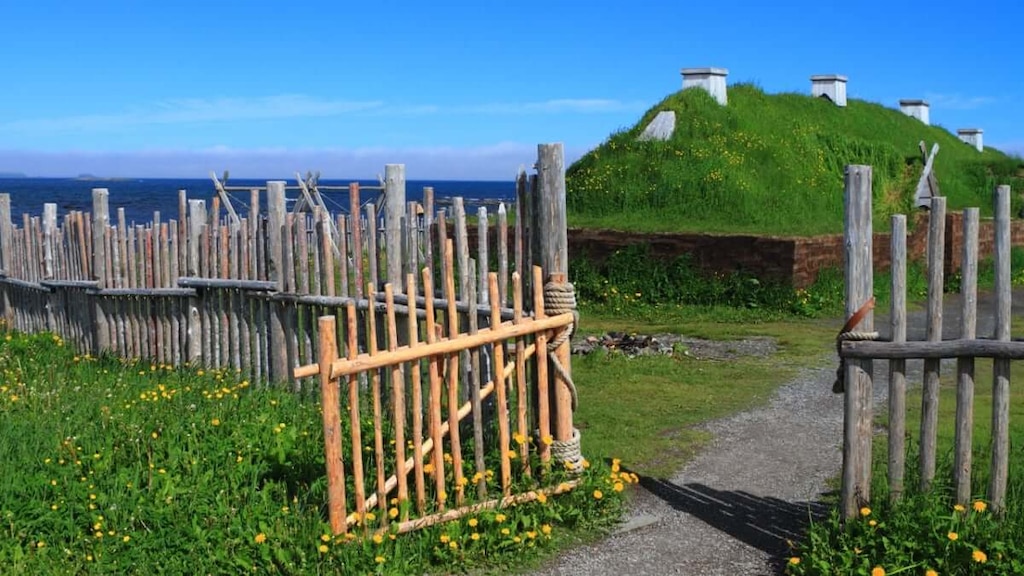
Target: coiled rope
559,298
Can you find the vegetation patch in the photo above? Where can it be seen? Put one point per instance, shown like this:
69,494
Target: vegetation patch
771,164
130,468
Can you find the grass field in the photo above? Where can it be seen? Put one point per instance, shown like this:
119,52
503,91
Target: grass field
771,164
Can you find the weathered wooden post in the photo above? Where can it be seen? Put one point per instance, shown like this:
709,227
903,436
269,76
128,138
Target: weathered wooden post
965,366
856,489
196,223
6,245
551,237
930,387
330,401
100,221
276,211
394,213
1001,366
898,368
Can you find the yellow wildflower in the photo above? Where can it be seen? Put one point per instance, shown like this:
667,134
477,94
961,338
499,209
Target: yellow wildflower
865,511
260,538
378,539
878,571
794,560
473,522
598,495
979,556
980,506
952,536
323,548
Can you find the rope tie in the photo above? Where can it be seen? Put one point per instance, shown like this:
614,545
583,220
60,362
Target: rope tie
848,334
560,298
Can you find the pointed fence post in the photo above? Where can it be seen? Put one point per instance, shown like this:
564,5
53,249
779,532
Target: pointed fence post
394,213
279,371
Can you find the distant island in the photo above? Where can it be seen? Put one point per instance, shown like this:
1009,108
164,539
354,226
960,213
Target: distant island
94,178
13,175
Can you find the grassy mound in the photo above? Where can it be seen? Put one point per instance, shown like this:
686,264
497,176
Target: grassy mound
771,164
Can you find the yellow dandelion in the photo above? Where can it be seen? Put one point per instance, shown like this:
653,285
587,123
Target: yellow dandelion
930,572
865,511
473,522
618,487
378,539
542,497
474,536
126,538
980,506
873,522
878,571
260,538
545,529
215,422
794,560
979,556
453,545
953,536
959,508
598,495
499,518
393,513
445,538
325,537
379,559
323,548
520,439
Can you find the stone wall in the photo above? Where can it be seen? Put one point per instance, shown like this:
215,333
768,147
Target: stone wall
795,260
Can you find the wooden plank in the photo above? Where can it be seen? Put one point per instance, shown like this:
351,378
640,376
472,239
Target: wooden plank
474,383
483,254
542,384
898,368
394,208
520,364
965,366
1001,367
357,242
930,388
177,325
417,402
355,424
434,368
277,347
196,224
49,230
378,425
504,435
453,376
553,240
343,250
371,245
428,223
502,255
856,491
101,219
330,402
291,320
397,400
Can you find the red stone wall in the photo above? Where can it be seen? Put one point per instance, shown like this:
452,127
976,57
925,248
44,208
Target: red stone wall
797,260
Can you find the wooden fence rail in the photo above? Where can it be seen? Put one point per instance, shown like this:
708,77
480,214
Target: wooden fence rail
860,346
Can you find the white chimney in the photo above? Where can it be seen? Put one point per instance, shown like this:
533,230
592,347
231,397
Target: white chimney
831,86
915,108
710,79
972,136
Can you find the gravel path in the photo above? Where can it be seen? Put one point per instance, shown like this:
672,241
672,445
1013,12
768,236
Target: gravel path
731,509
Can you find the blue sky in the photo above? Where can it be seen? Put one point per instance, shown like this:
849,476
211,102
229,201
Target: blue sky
462,90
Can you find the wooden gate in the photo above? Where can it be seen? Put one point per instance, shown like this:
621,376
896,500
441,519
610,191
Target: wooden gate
859,346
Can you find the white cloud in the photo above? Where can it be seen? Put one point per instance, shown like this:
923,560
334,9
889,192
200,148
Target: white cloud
196,110
957,101
498,161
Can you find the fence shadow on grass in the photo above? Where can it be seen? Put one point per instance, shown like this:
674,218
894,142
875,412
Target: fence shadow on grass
762,522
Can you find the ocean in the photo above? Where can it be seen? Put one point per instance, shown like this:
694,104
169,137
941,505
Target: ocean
141,197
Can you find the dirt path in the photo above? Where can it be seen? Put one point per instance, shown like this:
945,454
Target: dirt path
731,509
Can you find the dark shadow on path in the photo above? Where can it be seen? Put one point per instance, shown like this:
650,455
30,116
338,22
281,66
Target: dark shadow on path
762,522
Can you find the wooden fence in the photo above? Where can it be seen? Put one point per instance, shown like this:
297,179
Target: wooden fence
263,294
860,346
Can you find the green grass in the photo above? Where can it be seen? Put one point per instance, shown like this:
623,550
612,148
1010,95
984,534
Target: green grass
127,468
649,407
914,535
771,164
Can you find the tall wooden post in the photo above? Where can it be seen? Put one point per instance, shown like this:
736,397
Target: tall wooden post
1001,366
6,245
275,273
552,238
330,401
856,490
100,221
196,223
394,212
